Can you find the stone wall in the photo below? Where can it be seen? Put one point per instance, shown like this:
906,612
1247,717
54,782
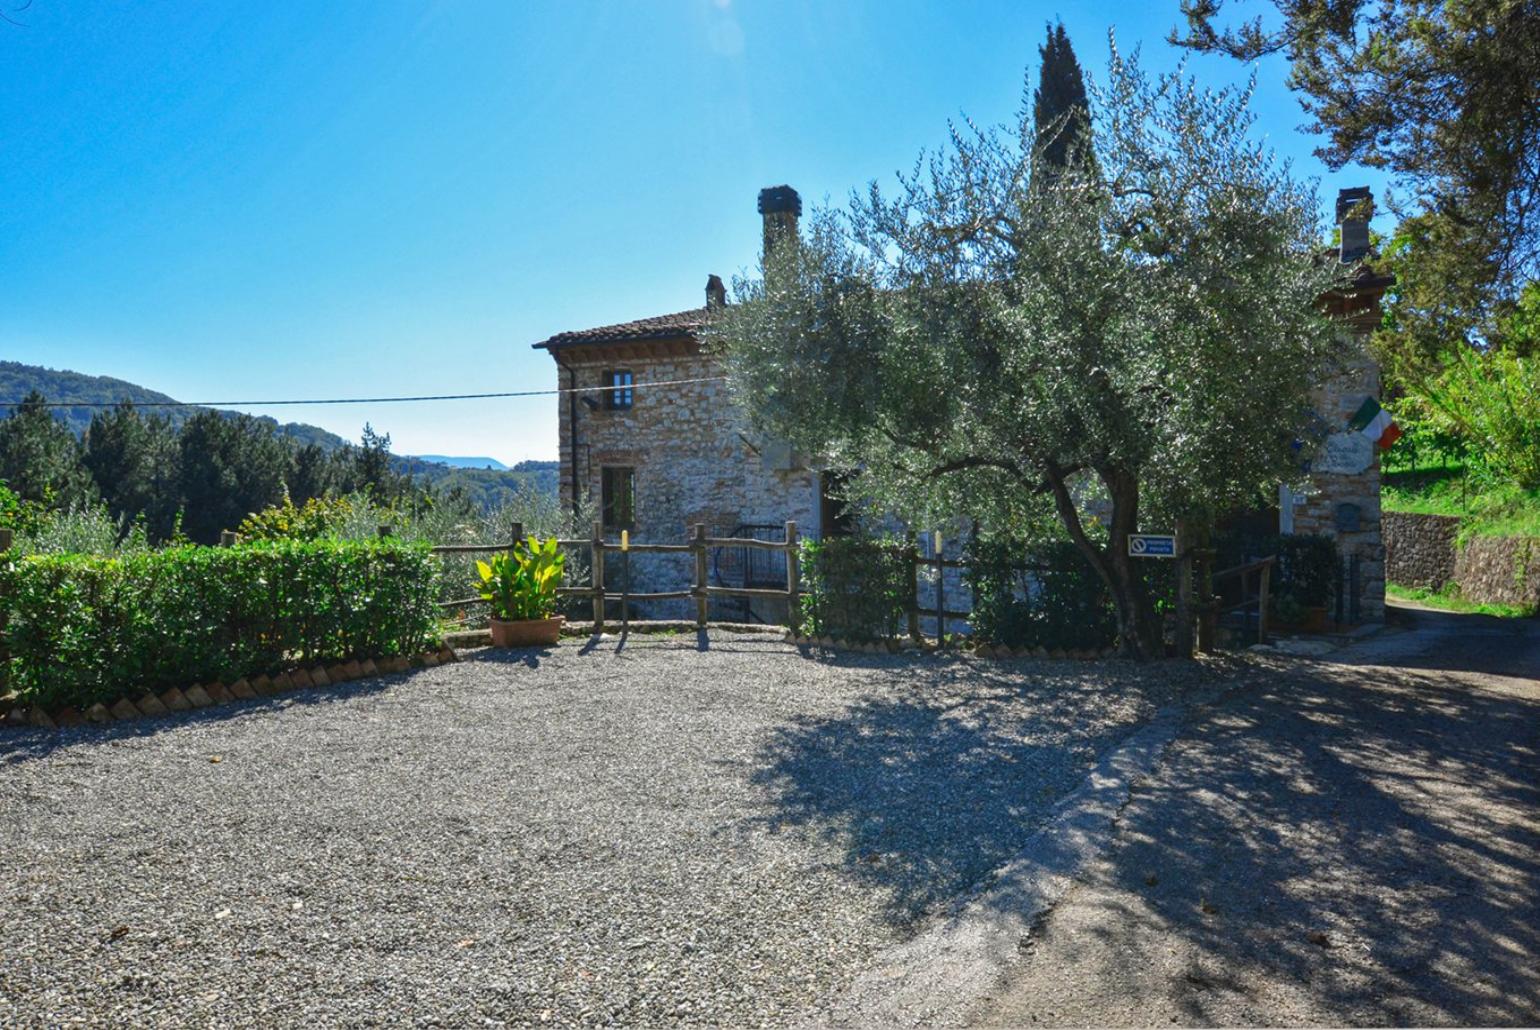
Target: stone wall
1419,549
1423,551
694,460
1499,570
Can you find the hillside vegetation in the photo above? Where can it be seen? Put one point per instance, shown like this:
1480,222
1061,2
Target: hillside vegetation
484,488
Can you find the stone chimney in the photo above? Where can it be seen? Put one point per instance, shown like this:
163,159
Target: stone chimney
716,293
780,207
1355,207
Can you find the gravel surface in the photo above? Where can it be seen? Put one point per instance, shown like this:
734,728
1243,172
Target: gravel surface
1355,842
636,832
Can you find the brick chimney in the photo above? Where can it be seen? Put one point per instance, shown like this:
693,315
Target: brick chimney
716,293
1355,206
780,207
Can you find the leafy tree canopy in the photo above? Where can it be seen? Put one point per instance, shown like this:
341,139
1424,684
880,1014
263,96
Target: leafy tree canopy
1445,95
1144,326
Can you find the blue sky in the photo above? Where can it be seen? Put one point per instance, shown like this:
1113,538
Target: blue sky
224,201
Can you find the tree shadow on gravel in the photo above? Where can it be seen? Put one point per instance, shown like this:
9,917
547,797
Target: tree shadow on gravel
926,793
1368,837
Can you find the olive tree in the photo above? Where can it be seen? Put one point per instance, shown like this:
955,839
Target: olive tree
1129,340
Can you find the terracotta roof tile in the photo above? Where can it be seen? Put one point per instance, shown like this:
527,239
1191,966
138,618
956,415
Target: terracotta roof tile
659,327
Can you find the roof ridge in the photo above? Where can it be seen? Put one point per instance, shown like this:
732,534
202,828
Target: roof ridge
677,323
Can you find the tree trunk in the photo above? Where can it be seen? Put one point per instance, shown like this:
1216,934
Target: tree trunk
1139,635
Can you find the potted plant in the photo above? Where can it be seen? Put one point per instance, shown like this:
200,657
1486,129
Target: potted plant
1288,611
521,587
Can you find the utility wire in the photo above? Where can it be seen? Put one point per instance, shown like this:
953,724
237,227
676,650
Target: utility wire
375,400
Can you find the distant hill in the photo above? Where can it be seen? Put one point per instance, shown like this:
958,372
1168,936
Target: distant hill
18,380
486,485
465,463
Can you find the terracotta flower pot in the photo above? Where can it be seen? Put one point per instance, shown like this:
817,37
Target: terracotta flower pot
526,632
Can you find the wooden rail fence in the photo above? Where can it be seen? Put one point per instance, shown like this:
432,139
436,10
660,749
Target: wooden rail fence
697,545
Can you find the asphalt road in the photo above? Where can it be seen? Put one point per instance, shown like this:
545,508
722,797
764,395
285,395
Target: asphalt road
1354,840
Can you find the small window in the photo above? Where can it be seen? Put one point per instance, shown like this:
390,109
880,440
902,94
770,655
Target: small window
618,395
619,497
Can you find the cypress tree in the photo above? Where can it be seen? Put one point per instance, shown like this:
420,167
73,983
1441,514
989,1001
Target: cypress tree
1060,111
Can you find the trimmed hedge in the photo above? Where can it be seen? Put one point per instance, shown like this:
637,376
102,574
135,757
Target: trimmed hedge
854,588
81,629
1043,597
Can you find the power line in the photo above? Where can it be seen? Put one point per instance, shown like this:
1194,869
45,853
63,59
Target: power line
373,400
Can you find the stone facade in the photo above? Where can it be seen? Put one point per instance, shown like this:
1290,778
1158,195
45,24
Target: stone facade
692,459
1341,498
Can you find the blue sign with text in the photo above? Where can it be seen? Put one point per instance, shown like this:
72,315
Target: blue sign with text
1152,545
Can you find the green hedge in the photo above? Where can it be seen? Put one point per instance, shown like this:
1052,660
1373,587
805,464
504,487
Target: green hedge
1047,596
81,629
854,588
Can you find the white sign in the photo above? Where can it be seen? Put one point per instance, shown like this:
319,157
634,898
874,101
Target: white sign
1345,453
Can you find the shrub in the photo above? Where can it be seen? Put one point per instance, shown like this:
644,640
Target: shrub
1046,597
854,588
522,585
81,628
317,517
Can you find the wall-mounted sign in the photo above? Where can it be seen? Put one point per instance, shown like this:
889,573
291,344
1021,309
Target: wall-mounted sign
1349,518
1345,454
1152,545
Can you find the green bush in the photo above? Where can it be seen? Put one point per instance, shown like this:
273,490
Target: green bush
854,588
1047,597
84,628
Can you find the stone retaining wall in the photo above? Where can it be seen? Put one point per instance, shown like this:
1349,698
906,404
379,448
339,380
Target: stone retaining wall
1499,570
1419,549
1422,551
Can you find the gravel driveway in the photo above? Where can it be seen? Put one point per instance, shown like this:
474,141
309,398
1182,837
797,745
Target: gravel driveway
632,832
1355,842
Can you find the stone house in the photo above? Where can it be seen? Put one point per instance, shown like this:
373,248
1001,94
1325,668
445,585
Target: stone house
655,459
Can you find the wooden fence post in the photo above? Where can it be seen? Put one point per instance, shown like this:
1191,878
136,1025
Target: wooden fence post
227,538
1208,617
383,531
625,581
1184,613
597,576
1262,599
793,582
515,535
912,559
698,548
5,539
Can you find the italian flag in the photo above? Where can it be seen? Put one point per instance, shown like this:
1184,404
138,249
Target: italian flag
1375,422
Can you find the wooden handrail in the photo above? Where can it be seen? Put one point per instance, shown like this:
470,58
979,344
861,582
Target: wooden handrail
1248,567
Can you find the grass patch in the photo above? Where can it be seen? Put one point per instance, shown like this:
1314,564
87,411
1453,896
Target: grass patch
1449,600
1486,510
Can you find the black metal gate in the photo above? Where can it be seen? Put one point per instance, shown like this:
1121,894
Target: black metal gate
751,567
